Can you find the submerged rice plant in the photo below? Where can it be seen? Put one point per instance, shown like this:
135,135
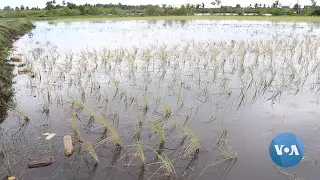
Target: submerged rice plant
88,147
194,144
101,120
140,153
160,131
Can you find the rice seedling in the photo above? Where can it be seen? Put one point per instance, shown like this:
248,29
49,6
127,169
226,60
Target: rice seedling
168,112
88,147
166,164
223,146
137,135
139,153
160,131
194,144
101,120
76,127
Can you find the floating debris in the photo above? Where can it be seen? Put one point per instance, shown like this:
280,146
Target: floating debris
50,136
68,147
12,178
16,59
46,161
46,134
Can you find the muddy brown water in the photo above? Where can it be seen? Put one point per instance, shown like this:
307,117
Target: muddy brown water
257,78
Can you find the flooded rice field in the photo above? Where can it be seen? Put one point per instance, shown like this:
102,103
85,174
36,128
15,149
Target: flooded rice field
163,100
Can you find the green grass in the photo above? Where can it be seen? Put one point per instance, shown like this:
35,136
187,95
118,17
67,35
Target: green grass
9,30
206,17
12,28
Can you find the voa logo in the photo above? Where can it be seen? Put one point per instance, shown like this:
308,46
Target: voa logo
286,150
294,150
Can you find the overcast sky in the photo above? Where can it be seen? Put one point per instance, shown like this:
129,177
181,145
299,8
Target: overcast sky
41,3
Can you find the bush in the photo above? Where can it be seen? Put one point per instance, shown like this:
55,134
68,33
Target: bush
316,12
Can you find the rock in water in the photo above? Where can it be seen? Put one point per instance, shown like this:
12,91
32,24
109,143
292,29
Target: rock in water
68,147
45,161
16,59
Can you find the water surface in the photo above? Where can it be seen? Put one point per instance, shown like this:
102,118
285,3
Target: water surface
235,84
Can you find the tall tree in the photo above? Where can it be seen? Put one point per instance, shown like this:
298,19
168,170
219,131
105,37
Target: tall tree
264,5
49,5
256,5
313,3
276,4
202,5
216,3
63,2
22,7
71,5
7,8
238,6
297,7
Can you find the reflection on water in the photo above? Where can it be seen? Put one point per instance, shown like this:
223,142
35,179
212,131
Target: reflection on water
183,99
79,36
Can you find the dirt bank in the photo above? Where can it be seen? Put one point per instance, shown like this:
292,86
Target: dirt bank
10,30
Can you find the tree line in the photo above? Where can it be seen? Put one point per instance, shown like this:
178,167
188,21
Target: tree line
53,8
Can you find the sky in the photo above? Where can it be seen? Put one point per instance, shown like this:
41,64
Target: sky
41,3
